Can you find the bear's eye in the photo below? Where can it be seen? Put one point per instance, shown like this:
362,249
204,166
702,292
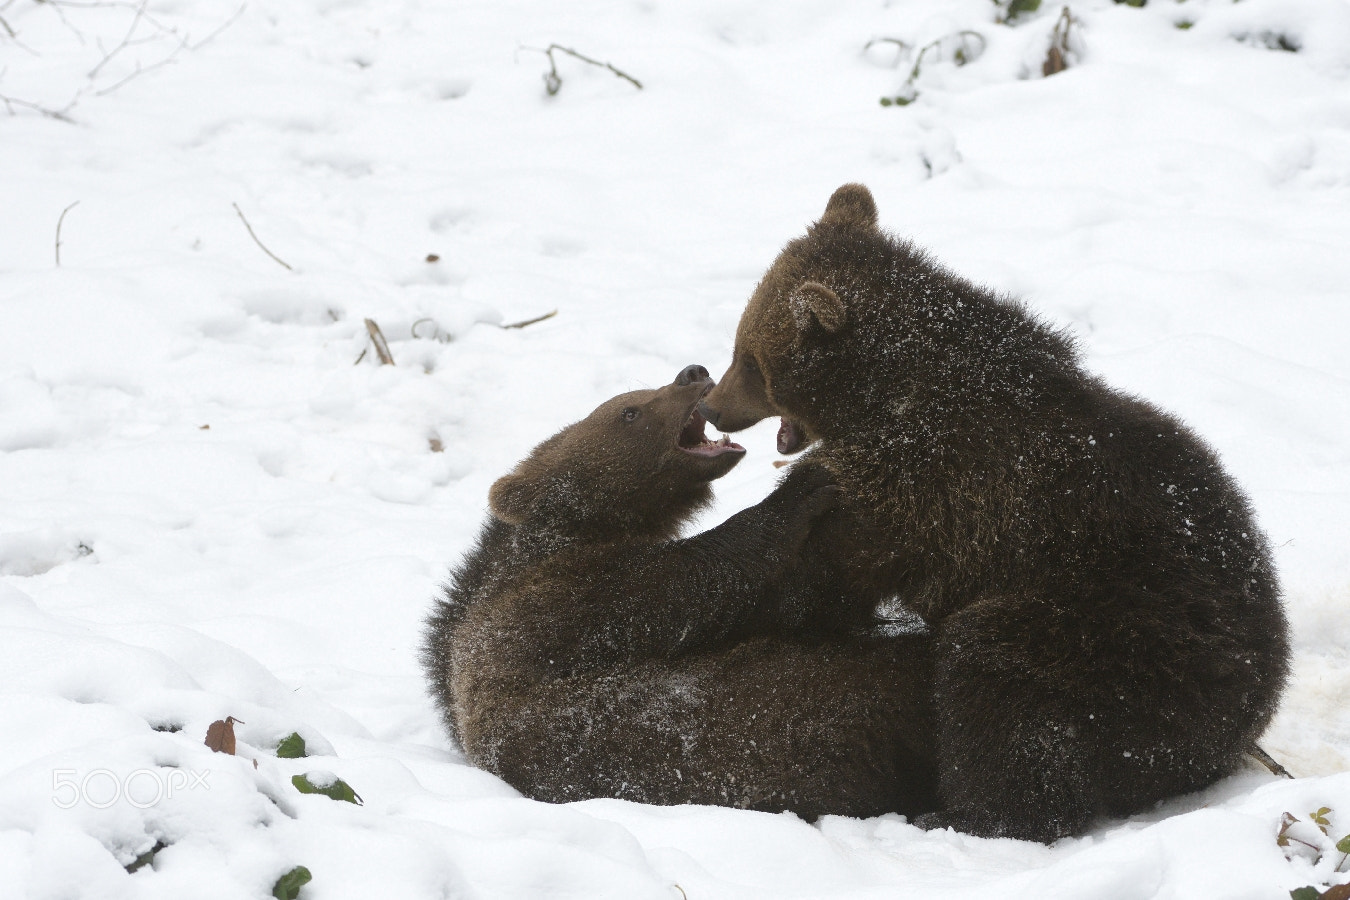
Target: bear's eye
630,414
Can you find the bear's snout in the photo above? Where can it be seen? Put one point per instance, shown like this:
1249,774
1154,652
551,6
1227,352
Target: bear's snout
710,414
691,374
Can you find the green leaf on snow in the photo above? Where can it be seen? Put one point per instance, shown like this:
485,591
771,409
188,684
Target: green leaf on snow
288,885
328,785
291,747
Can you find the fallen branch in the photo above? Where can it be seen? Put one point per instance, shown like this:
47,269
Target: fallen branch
547,315
553,81
1268,761
258,242
61,219
381,345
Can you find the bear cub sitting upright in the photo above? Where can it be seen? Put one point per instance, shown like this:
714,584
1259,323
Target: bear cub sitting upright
581,650
1107,621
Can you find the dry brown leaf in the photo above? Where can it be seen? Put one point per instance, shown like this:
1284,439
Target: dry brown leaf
220,735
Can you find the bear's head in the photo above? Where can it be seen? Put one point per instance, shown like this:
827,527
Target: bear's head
638,466
799,310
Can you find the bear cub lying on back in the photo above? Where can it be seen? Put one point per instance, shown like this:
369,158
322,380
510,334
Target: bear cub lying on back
581,650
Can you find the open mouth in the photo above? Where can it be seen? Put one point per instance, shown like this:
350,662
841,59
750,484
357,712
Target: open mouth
791,436
695,442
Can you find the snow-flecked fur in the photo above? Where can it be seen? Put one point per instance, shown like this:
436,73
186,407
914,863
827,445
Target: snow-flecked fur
1108,623
581,651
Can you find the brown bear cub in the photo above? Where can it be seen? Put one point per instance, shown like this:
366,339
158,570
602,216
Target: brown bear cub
1107,619
581,650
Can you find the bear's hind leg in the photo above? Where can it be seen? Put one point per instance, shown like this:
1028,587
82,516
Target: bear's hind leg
1050,714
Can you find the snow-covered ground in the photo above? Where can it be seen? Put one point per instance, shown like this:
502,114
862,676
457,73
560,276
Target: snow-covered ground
210,510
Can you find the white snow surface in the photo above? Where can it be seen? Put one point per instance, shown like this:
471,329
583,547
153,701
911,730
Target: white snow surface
210,510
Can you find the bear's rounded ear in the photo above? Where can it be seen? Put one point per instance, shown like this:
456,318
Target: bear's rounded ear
812,303
851,205
512,497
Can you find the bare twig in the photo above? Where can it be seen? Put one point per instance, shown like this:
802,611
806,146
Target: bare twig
183,44
213,35
258,242
1283,837
127,41
61,115
121,45
963,54
960,57
138,71
902,48
132,5
14,34
90,4
61,219
553,81
143,29
381,345
903,45
1269,762
58,8
433,333
547,315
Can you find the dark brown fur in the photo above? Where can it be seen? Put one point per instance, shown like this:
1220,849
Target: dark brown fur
580,650
1108,622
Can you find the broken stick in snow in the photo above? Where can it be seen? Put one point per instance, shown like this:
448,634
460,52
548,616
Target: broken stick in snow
255,238
547,315
553,81
1269,762
381,345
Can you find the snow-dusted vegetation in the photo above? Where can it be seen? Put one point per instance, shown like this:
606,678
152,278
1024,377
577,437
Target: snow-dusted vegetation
219,503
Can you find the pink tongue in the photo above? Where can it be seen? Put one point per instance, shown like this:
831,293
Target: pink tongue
789,436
